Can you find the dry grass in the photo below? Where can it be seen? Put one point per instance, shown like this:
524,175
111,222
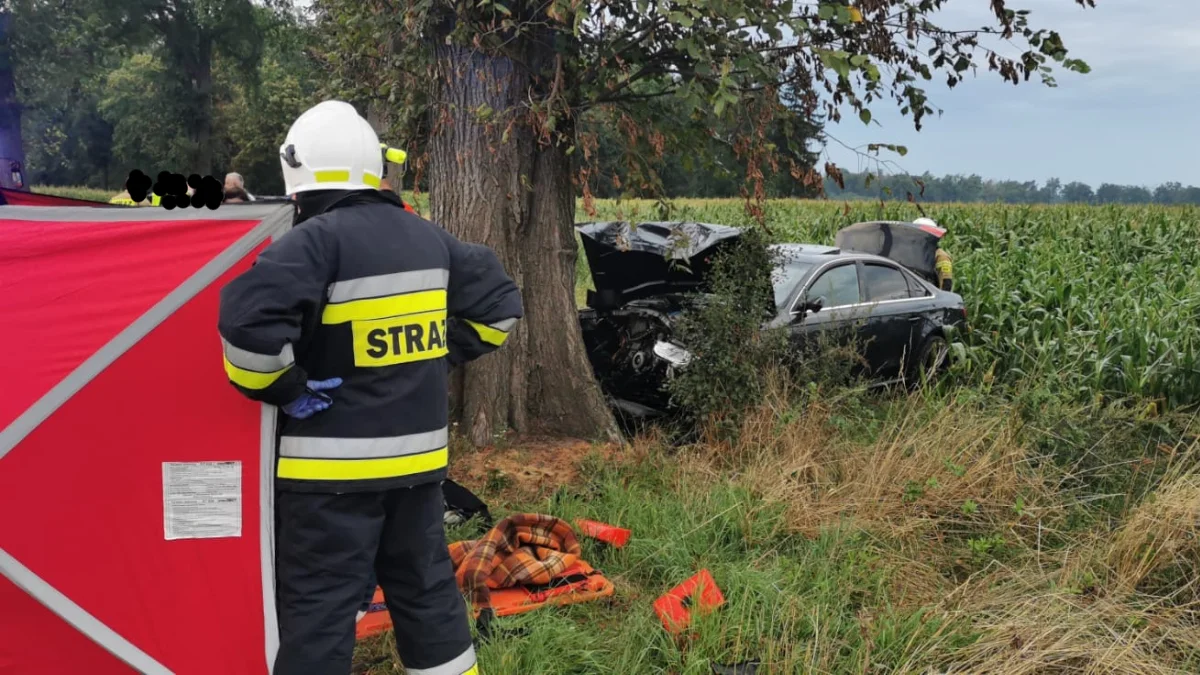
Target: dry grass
959,470
1160,534
934,479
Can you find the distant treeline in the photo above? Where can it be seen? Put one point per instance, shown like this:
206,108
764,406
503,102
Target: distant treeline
958,188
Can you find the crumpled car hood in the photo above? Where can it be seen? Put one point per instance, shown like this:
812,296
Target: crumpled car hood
631,262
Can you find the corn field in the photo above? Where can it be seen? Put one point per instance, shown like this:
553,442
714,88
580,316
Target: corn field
1087,302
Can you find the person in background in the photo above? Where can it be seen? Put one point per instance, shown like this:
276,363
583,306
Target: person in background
235,188
124,199
942,262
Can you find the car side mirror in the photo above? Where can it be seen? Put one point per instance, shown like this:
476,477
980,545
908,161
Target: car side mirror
809,307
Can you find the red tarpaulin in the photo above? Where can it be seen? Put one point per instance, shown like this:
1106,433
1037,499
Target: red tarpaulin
18,198
135,482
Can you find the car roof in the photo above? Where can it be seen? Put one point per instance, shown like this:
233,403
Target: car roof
817,254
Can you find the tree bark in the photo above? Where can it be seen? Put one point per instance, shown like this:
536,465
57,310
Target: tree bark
202,88
11,148
492,183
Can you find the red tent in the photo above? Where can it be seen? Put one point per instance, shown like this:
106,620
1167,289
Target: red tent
135,483
21,198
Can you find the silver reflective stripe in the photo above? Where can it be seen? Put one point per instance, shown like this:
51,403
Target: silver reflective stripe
266,531
388,284
103,213
311,447
259,363
504,326
78,617
458,666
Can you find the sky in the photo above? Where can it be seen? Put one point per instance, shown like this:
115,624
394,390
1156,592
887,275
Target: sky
1130,121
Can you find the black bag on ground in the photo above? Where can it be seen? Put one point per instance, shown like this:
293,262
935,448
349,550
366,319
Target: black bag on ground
462,505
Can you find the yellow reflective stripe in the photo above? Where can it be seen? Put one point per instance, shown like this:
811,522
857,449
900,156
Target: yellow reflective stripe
399,339
361,469
473,671
332,176
488,334
382,308
371,179
251,379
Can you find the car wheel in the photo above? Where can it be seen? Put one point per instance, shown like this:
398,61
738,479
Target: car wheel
932,360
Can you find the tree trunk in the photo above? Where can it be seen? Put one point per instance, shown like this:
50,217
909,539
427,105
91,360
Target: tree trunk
202,87
11,149
491,183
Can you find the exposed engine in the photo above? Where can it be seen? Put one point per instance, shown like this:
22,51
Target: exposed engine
621,346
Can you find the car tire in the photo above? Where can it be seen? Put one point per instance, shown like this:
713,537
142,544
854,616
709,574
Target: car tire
932,360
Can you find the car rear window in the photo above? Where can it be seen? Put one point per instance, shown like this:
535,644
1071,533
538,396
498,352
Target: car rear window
884,282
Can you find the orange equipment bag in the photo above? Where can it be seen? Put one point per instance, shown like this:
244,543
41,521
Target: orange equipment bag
578,583
527,561
376,620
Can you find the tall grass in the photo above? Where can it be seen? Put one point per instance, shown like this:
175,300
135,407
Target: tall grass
861,534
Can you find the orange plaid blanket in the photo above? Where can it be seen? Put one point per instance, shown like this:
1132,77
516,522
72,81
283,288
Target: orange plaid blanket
525,549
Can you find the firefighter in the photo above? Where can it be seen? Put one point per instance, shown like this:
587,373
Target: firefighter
125,200
942,262
349,323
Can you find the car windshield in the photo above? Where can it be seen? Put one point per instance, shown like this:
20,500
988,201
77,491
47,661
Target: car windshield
785,276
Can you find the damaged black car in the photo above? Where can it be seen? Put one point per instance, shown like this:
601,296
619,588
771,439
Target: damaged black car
875,289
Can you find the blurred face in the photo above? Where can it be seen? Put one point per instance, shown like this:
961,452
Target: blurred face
230,183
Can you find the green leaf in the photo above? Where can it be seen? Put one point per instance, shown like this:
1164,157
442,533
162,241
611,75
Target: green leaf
858,60
865,116
825,12
503,10
838,62
681,19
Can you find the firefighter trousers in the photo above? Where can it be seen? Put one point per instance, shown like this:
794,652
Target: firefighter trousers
326,548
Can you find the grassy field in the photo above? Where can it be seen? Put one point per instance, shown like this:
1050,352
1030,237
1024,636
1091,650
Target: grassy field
1038,513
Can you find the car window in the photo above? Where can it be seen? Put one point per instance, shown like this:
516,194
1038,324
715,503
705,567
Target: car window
884,282
839,286
915,289
784,278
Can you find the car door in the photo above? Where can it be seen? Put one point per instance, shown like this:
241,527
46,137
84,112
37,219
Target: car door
892,317
838,288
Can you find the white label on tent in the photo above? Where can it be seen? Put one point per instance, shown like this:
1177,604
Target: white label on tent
202,500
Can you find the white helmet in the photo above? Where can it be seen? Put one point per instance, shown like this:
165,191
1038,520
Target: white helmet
331,147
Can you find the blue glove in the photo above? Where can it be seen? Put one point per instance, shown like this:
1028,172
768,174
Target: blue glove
312,401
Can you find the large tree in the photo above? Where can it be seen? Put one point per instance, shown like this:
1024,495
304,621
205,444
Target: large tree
80,58
190,34
490,93
11,148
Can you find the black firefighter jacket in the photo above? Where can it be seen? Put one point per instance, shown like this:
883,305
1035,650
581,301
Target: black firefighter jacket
384,300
